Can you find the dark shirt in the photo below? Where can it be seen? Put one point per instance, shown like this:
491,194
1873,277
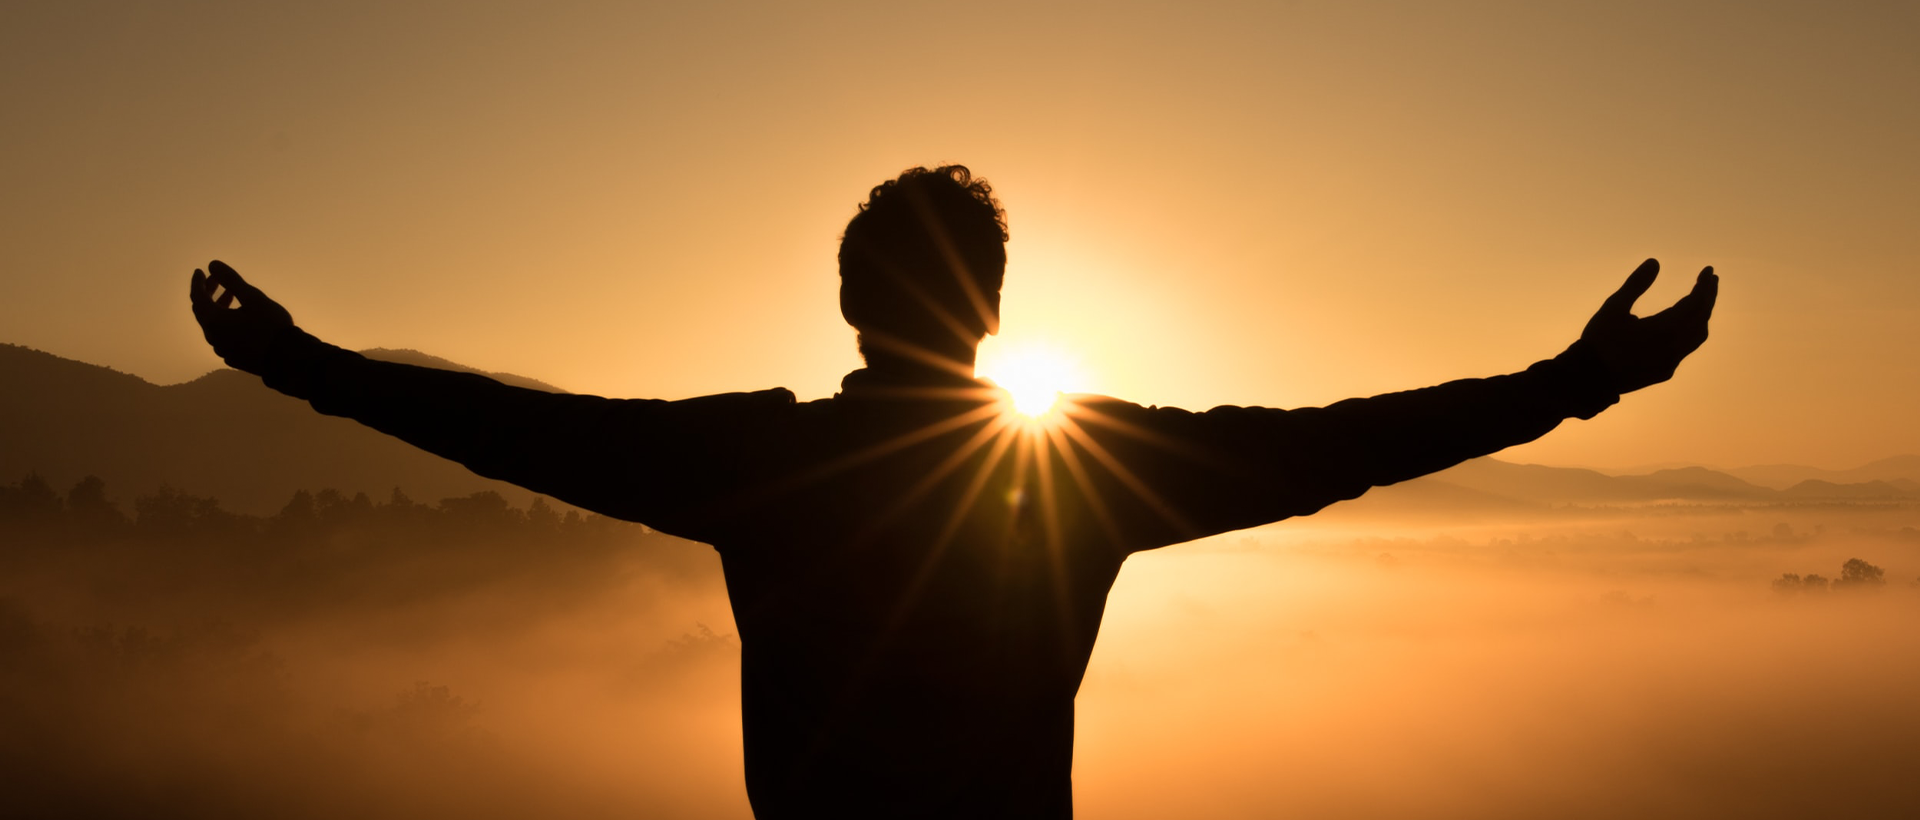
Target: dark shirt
918,574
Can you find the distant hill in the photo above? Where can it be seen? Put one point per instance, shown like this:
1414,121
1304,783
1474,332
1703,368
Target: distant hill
224,435
1489,489
415,357
1781,476
1700,482
1814,488
1434,499
1542,485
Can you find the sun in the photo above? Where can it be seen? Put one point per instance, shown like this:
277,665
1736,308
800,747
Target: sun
1034,374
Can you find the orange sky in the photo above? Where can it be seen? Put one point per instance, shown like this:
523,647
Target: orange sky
1257,203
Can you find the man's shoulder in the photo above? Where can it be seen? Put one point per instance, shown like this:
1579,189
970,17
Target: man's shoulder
1224,427
771,399
1109,406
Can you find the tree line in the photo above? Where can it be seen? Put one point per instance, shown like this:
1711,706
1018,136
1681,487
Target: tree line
323,552
1855,575
32,504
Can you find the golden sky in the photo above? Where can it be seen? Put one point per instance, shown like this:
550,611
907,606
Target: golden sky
1256,203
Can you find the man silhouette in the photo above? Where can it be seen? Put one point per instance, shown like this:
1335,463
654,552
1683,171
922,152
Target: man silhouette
918,574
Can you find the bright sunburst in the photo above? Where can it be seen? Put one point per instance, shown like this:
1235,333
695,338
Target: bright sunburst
1036,375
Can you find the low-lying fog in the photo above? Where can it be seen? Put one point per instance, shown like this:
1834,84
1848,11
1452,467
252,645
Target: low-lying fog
1611,664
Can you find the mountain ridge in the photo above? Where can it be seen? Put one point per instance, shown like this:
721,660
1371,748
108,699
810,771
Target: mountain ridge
224,435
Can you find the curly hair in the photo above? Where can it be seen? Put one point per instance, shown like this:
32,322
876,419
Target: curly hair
926,179
924,249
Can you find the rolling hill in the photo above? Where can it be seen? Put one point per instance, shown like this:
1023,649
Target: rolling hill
224,435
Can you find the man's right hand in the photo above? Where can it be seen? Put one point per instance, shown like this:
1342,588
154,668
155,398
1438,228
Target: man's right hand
243,334
1640,351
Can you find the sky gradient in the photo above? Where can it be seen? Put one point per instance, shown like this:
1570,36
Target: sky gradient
1280,204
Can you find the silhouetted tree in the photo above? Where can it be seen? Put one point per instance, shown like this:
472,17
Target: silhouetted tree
1858,574
88,506
401,508
484,509
1793,584
32,501
541,516
298,513
172,513
329,503
1854,574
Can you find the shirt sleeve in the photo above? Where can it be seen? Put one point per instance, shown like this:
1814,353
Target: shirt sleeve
1161,476
646,460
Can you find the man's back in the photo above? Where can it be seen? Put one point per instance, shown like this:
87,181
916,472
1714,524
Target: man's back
914,616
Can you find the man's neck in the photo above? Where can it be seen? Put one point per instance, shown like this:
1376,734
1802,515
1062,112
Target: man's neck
897,360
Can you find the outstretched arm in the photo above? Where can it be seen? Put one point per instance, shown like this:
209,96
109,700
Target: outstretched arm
1407,435
637,459
1236,467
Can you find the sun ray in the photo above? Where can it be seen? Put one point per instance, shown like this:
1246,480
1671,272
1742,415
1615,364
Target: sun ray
920,353
937,228
1006,434
1127,477
952,462
1017,487
1095,502
1055,538
1081,411
893,444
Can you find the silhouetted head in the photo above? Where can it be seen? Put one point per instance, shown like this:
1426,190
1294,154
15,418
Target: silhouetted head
921,266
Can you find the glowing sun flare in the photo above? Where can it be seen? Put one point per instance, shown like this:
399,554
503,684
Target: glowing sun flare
1035,376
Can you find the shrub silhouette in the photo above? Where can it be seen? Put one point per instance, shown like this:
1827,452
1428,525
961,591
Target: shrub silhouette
1858,574
1855,574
